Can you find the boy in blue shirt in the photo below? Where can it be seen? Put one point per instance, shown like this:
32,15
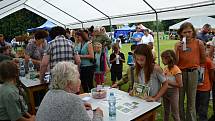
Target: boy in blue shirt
130,60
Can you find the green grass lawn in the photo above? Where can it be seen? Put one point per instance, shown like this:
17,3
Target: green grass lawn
164,45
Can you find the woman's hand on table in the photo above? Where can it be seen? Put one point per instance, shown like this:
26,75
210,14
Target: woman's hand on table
87,106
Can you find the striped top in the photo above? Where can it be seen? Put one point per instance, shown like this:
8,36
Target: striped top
60,49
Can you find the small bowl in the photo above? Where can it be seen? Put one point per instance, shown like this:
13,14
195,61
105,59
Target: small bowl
98,94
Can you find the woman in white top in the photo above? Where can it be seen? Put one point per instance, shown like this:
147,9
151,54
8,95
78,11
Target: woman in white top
147,37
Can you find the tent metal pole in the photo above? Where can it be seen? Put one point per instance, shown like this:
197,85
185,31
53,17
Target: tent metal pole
10,4
111,30
44,14
64,12
157,29
101,13
82,25
11,9
25,1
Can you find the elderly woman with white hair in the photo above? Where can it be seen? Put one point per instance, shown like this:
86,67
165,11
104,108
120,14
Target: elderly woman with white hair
61,103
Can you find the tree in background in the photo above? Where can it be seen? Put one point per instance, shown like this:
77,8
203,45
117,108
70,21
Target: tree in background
17,23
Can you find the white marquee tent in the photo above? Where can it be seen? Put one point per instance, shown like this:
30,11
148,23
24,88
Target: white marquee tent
84,13
197,21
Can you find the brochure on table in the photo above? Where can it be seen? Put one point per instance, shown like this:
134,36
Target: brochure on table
29,82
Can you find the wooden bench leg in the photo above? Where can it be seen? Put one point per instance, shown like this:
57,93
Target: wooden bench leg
150,116
32,103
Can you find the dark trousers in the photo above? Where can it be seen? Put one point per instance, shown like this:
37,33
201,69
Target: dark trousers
86,76
116,74
212,118
213,93
202,102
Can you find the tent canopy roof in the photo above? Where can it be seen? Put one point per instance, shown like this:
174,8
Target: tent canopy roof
197,21
84,13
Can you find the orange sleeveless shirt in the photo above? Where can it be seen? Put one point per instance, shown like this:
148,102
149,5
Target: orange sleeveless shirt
191,57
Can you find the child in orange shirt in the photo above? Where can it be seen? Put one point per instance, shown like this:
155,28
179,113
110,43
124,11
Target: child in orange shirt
174,78
203,91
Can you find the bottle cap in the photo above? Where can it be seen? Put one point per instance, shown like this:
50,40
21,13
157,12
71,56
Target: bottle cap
111,94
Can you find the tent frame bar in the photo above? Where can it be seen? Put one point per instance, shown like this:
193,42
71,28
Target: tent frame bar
10,4
12,8
157,29
161,11
45,15
65,12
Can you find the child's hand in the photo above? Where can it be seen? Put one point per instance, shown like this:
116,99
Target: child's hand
114,85
179,45
32,118
150,99
120,58
131,93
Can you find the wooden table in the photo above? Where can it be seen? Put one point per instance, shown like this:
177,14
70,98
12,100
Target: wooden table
33,86
139,110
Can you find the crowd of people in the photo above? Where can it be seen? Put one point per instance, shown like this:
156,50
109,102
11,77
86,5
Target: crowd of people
79,60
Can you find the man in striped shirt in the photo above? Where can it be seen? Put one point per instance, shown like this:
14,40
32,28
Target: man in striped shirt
59,49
